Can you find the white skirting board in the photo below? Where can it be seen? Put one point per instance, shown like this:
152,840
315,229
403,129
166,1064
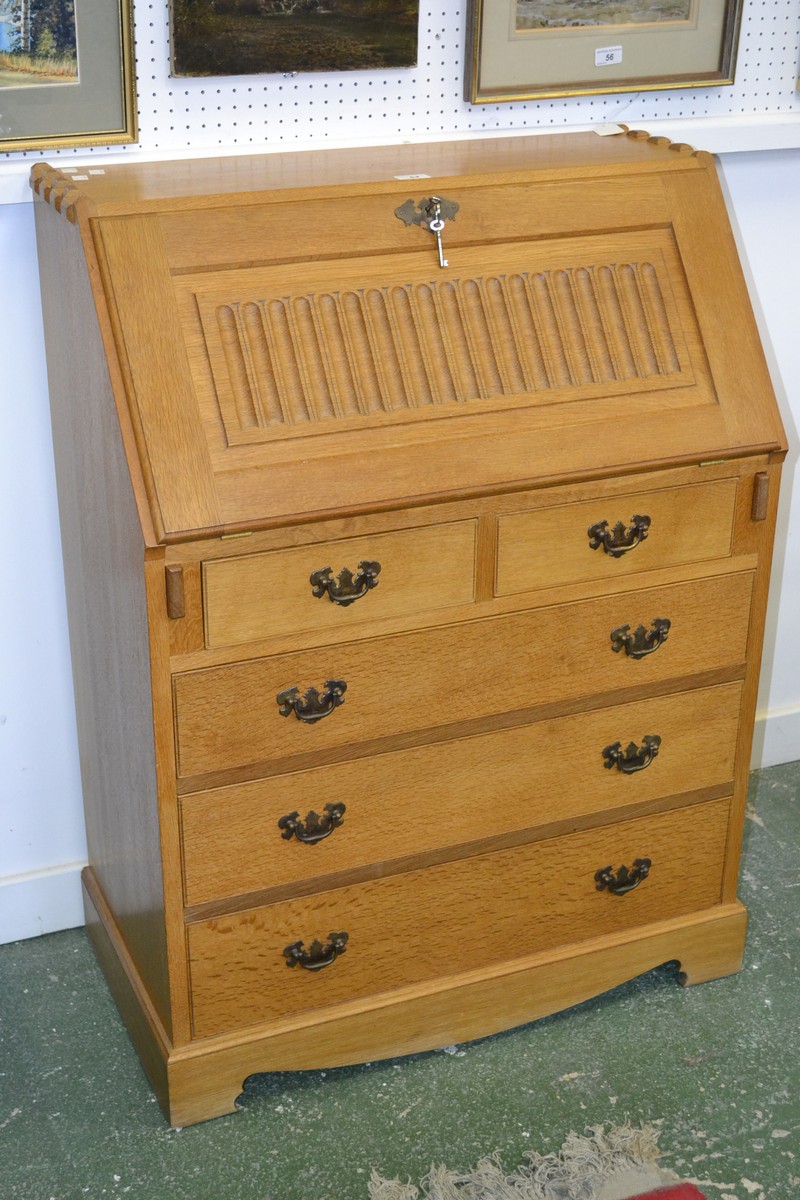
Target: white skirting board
40,902
46,901
777,738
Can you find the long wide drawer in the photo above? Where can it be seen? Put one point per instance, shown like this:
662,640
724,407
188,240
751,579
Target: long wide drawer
610,538
246,713
304,588
423,925
263,834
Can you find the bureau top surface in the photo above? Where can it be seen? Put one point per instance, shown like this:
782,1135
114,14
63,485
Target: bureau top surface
289,339
202,183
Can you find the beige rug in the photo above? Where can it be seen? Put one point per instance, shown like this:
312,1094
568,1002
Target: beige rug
604,1163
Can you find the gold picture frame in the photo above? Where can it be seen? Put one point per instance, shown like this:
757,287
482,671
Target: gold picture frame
96,108
537,49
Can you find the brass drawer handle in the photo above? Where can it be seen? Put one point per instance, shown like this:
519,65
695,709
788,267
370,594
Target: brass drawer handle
622,881
621,538
347,588
642,641
633,758
313,706
317,956
315,827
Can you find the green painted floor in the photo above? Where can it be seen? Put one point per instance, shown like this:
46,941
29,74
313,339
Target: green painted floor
717,1065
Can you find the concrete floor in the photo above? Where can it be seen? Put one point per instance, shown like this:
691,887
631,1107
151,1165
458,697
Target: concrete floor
717,1065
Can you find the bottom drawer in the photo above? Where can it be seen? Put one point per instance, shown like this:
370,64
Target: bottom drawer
423,925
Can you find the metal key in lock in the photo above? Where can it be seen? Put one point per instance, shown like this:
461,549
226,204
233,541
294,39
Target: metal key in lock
430,212
436,225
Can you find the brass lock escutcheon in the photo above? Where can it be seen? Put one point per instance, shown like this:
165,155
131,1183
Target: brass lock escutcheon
431,213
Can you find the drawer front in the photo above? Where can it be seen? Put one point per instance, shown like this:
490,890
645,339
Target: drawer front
614,536
229,716
411,801
393,575
462,916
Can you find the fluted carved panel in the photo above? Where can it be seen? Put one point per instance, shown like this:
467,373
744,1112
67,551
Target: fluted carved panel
347,355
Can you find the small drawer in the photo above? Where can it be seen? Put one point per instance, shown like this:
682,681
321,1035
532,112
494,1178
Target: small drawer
243,839
612,537
339,585
414,928
300,704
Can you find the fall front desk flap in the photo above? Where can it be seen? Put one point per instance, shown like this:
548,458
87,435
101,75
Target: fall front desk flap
309,333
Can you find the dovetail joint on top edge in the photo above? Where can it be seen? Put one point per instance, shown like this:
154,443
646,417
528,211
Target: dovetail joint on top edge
641,135
56,189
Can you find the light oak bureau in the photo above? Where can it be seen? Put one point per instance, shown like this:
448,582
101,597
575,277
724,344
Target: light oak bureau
417,510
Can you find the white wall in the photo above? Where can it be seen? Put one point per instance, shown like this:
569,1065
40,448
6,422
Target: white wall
763,192
41,826
41,823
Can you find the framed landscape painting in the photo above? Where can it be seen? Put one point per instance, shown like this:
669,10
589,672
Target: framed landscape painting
530,49
66,73
250,37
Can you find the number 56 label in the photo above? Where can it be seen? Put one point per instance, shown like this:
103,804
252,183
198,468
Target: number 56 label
608,56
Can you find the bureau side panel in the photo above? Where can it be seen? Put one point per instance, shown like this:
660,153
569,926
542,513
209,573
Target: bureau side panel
754,531
103,551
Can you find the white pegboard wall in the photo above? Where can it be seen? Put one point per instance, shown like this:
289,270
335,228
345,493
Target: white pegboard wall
248,113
